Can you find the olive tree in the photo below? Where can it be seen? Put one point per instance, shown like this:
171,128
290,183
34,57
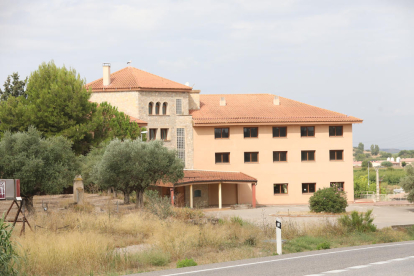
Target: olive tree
43,165
408,182
131,165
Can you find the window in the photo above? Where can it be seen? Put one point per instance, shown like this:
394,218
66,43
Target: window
250,132
280,188
307,131
308,188
279,156
178,106
339,185
221,133
181,143
164,134
308,155
279,131
251,157
223,157
150,105
152,133
164,109
335,131
336,155
157,108
197,193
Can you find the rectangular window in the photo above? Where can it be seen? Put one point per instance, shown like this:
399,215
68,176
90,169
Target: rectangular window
279,131
336,154
251,132
178,106
308,188
307,131
280,188
223,157
152,133
164,134
181,143
308,155
335,131
251,157
279,156
339,185
221,133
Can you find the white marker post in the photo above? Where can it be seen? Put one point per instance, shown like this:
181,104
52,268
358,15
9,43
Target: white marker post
278,236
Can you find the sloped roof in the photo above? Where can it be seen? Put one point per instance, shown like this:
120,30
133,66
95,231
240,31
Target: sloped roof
131,78
203,176
259,108
138,121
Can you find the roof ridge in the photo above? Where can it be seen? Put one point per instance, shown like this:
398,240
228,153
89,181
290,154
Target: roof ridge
157,76
315,106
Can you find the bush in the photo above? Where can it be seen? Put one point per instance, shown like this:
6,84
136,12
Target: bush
158,205
186,263
324,245
330,200
387,164
359,222
8,255
237,220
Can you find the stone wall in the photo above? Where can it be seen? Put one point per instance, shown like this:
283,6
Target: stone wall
126,101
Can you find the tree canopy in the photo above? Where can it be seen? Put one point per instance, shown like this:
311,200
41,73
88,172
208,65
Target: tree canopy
375,149
57,103
43,165
133,166
13,87
408,182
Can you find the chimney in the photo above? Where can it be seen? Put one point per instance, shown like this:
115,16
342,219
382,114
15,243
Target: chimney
222,101
276,100
106,74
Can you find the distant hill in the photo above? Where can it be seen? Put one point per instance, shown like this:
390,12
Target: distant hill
391,150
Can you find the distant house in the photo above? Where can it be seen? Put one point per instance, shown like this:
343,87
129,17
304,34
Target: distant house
231,143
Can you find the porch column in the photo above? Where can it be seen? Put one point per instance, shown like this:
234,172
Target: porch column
254,195
219,195
172,196
191,196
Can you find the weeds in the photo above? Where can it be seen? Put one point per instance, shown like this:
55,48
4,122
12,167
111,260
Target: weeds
186,263
360,222
8,255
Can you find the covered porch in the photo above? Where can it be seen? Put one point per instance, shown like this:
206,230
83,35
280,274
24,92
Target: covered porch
201,189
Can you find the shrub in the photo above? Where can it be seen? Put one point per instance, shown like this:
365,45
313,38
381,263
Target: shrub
387,164
8,255
324,245
359,222
186,263
331,200
237,220
158,205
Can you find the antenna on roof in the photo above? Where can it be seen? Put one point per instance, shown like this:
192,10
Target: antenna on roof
129,62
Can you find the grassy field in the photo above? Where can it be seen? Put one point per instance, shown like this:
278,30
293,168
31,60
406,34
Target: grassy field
82,241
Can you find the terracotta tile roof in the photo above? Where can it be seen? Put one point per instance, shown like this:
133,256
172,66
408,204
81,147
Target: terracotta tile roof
259,108
131,78
201,176
138,121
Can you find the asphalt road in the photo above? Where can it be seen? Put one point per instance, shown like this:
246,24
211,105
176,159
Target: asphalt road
382,259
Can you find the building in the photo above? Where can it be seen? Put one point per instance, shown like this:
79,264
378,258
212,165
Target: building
231,143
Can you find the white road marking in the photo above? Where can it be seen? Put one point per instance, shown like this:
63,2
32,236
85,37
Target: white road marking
358,266
336,271
286,259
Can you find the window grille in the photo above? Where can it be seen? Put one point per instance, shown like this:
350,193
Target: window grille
178,106
181,143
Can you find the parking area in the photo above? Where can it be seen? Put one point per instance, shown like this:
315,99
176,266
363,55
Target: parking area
385,215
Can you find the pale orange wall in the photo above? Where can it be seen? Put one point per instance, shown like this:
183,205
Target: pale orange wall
322,171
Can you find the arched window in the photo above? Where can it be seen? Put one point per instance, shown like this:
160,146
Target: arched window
150,105
164,109
157,108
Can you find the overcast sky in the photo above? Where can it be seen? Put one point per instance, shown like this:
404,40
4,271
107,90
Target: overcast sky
354,57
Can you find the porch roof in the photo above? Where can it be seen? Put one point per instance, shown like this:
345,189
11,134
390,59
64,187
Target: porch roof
204,177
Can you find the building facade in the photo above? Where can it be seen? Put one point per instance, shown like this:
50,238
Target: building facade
287,148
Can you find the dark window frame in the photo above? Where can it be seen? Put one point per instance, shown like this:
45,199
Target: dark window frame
197,193
157,108
166,134
278,154
308,188
335,130
250,132
251,157
307,131
164,108
341,185
151,130
278,127
307,155
150,108
335,152
221,133
221,155
279,187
